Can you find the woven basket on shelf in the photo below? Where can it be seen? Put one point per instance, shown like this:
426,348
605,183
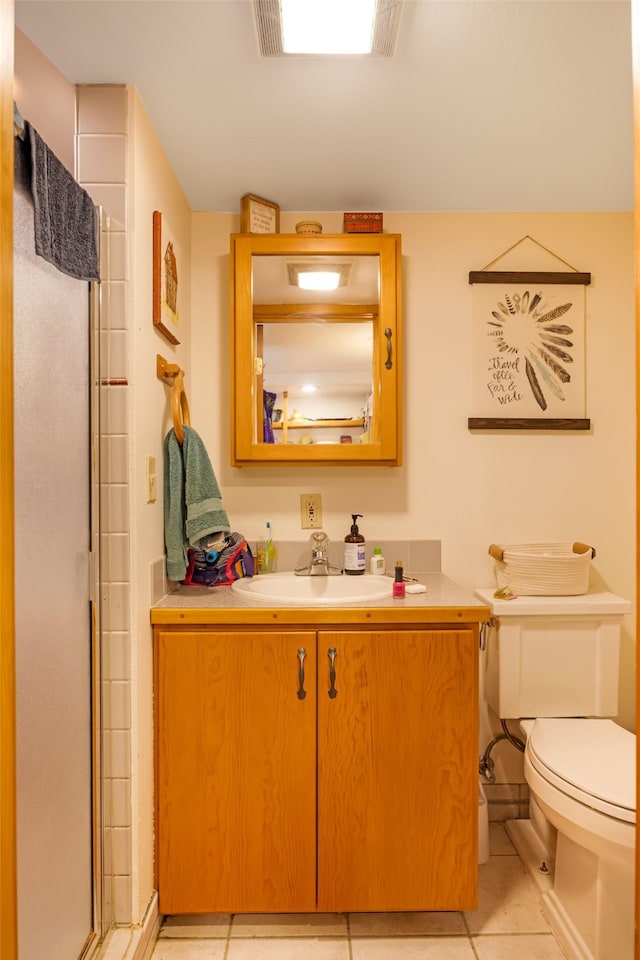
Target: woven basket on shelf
543,569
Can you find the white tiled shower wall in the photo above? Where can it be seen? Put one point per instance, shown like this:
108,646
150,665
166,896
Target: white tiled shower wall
101,165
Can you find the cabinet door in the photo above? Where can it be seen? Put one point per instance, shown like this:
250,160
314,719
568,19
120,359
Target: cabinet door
235,775
397,771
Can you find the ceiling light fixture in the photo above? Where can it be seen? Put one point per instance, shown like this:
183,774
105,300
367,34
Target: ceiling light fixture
319,275
325,27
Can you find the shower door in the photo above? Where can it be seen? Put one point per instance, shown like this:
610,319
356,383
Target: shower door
53,612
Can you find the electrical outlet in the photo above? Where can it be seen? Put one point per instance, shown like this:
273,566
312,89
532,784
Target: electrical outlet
310,511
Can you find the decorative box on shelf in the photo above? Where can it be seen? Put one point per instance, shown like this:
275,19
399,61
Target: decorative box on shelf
362,223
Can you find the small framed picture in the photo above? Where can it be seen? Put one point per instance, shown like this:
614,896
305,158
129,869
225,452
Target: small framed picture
259,215
166,261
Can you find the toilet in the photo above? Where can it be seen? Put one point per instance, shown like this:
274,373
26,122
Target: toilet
551,664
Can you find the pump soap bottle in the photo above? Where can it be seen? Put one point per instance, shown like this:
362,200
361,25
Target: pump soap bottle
354,549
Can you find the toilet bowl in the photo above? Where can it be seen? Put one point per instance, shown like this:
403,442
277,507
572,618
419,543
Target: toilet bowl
583,772
579,841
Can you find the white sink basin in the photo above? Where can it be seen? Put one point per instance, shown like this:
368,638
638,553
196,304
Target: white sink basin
290,589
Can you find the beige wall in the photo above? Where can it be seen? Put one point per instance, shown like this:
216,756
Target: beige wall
465,489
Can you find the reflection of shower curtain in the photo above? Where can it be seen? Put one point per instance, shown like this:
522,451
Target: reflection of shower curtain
268,402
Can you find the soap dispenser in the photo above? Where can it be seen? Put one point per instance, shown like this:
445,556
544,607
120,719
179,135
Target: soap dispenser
354,549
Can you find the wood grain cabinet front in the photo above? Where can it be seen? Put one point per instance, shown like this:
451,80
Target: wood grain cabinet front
330,770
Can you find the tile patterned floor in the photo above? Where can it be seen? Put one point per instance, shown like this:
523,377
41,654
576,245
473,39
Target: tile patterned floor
508,924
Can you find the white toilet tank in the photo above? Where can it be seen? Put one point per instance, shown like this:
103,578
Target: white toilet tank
553,656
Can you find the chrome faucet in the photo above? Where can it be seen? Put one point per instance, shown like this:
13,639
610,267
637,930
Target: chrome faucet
320,565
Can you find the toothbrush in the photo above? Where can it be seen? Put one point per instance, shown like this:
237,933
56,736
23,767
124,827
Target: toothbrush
268,550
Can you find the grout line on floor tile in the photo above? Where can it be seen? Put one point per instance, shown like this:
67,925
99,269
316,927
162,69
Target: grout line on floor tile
194,936
503,934
473,948
300,936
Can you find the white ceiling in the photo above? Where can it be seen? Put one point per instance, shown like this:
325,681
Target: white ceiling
486,105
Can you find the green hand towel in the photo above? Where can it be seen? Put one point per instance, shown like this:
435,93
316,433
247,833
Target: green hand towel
192,503
174,508
205,513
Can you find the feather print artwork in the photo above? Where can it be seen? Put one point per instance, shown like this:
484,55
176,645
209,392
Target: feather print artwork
525,328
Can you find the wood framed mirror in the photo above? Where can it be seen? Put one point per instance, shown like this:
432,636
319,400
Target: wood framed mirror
316,374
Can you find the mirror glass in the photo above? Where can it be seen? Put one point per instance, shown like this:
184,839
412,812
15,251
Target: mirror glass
314,348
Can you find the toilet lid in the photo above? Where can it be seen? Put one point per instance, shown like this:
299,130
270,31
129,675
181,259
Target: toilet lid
593,761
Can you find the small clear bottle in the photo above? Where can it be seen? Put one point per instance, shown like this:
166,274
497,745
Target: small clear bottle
377,564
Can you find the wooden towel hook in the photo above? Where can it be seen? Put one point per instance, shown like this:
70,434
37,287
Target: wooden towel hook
172,374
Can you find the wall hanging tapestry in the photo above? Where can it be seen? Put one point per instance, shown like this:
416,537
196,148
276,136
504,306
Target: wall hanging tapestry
528,348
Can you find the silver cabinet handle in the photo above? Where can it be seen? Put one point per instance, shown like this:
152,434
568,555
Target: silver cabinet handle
302,653
388,334
332,654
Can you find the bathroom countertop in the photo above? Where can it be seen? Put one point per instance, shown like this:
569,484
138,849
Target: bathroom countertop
443,603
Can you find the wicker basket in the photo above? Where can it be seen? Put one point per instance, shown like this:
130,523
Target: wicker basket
543,569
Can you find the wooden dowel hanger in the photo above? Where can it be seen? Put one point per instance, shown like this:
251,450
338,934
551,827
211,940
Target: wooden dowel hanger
171,374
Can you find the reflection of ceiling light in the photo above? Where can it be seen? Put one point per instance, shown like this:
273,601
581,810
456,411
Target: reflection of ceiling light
320,27
309,388
322,280
318,276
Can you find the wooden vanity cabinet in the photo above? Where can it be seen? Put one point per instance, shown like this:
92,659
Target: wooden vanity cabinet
361,796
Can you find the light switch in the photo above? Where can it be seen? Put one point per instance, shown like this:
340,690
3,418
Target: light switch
152,480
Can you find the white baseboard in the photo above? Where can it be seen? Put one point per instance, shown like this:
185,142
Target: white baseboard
133,943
